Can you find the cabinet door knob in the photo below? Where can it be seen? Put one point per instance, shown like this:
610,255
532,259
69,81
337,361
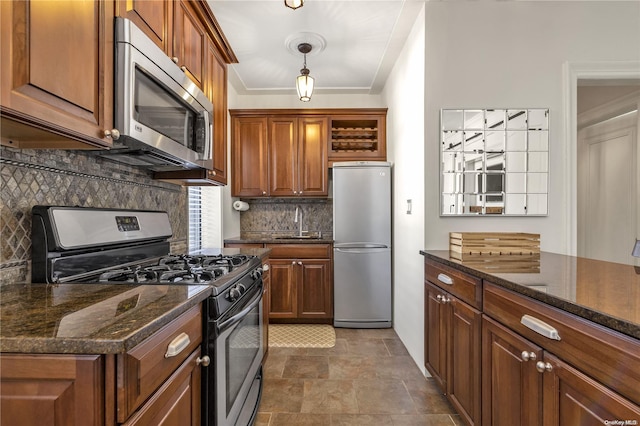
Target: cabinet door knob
293,263
526,356
264,192
443,299
183,68
114,134
174,59
299,263
204,361
543,366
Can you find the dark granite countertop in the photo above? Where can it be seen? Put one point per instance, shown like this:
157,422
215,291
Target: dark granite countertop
88,318
249,251
82,318
275,238
603,292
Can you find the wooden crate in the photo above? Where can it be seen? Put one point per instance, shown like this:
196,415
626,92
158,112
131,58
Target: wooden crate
474,244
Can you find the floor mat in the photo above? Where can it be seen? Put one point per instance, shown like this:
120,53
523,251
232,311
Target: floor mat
301,336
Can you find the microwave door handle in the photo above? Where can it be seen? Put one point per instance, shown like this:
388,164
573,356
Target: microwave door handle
208,137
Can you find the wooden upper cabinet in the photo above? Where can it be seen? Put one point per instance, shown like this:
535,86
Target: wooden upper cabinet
153,17
298,156
189,42
360,136
313,167
179,28
283,154
57,74
249,157
216,90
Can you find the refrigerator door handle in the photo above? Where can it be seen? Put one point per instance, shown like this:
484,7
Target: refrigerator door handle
360,249
359,246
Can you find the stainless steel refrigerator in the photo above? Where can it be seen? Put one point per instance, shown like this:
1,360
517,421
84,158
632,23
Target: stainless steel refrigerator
362,247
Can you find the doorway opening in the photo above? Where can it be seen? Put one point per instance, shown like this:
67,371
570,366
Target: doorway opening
607,218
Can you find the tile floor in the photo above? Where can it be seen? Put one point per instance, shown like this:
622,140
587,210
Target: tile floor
367,379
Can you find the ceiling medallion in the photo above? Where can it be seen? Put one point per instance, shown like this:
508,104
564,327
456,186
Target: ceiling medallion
317,42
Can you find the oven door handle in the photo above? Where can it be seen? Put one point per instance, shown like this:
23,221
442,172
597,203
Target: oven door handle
238,317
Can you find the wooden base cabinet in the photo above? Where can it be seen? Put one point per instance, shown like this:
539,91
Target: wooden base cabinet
523,384
587,376
139,387
55,390
452,352
570,397
511,386
300,288
540,365
301,282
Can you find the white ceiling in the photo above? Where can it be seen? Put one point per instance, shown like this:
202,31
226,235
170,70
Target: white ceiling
355,42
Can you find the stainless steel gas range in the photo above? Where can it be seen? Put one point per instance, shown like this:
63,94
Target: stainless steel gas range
110,246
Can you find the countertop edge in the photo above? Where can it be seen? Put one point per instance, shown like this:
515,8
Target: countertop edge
613,323
57,345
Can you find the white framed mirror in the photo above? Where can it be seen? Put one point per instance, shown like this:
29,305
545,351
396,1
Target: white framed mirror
494,162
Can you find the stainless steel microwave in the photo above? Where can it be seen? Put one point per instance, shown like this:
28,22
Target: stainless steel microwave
164,119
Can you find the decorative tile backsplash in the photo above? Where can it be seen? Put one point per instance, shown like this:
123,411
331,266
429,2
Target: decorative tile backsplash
277,216
73,178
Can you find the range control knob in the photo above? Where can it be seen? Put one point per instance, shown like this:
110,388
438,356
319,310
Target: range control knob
235,293
256,273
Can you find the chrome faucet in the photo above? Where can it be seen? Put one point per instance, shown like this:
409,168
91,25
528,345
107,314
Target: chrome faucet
298,220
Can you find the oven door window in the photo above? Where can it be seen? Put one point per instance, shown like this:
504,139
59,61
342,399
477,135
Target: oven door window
243,346
160,110
239,350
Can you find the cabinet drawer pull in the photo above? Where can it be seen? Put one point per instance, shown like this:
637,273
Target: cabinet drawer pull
446,279
539,327
177,345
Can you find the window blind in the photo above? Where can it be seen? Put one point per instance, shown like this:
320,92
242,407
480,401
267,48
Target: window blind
195,218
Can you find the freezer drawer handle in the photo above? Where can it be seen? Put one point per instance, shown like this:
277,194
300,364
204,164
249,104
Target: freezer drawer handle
446,279
540,327
177,345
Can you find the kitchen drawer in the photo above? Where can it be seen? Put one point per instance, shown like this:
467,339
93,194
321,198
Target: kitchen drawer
608,356
459,284
177,401
299,251
144,368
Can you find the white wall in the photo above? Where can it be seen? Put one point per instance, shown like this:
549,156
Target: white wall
511,54
404,95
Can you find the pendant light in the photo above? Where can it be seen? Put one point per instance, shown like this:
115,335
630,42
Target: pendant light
304,82
294,4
